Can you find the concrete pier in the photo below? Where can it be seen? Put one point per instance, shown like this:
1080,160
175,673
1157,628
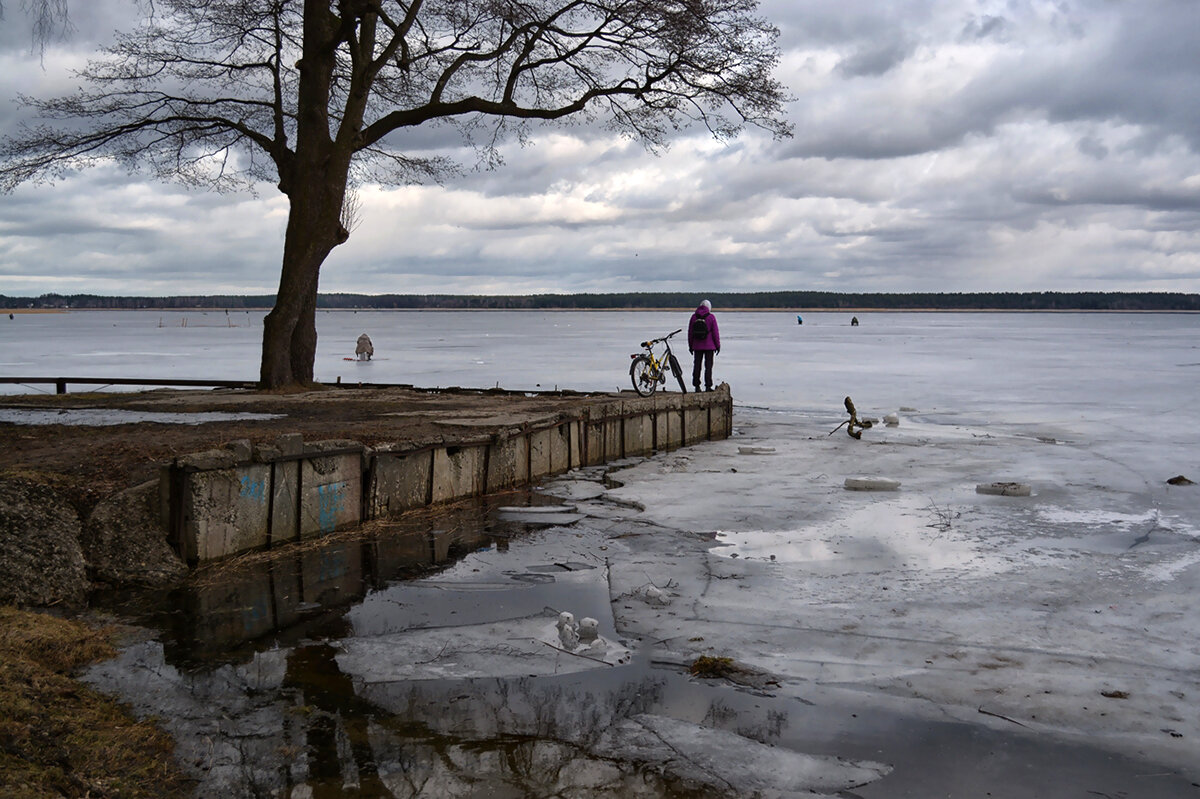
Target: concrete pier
244,496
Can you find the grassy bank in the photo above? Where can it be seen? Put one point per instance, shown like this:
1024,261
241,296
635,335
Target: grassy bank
58,737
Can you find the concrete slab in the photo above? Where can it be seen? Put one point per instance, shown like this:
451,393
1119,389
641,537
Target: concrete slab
399,481
330,493
457,472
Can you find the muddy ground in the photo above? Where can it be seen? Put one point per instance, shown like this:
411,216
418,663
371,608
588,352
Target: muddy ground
90,462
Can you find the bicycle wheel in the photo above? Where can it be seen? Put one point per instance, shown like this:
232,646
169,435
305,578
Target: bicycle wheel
641,372
678,372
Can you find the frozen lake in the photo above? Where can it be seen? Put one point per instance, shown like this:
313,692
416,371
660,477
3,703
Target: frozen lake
941,641
979,361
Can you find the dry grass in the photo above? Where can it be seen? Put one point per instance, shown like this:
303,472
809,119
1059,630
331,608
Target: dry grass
60,738
713,667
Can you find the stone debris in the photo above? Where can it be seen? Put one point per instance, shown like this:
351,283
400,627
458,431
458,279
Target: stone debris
756,450
41,562
125,544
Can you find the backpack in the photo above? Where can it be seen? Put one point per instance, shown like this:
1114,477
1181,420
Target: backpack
699,329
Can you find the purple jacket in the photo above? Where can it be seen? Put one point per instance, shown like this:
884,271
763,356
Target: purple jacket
710,342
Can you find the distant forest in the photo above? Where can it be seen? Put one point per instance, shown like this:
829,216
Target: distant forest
750,301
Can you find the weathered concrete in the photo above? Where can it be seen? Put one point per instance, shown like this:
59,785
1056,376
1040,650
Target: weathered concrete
508,462
235,499
285,501
400,481
41,562
331,487
125,543
224,511
638,434
457,472
255,484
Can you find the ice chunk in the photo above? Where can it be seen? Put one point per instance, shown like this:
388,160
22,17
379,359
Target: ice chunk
547,515
872,484
730,763
1004,489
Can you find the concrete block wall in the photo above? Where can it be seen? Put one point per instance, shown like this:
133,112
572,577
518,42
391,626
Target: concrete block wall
238,499
223,502
331,489
457,472
508,463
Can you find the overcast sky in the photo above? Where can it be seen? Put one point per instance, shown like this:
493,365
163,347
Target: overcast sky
940,145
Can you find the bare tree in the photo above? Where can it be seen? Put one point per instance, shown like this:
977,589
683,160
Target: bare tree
306,92
47,18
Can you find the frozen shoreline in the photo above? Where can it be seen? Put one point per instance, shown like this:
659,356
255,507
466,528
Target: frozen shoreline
970,641
921,641
1069,613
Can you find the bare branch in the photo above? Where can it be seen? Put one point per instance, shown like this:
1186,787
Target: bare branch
232,70
48,20
233,93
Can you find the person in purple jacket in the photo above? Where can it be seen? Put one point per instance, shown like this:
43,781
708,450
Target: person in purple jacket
704,341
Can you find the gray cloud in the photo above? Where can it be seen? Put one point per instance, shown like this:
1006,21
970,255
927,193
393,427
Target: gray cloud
875,60
941,145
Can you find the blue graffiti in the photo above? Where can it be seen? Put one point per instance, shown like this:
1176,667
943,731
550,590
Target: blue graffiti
255,489
331,501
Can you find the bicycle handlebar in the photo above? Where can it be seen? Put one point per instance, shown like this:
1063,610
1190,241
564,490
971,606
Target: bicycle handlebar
654,341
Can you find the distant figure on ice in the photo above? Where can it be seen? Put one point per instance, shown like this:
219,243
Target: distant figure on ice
854,321
799,319
704,341
364,349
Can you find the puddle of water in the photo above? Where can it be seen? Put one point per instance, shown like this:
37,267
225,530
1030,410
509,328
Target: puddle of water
456,569
97,417
328,671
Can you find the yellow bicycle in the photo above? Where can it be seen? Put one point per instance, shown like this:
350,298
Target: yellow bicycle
649,370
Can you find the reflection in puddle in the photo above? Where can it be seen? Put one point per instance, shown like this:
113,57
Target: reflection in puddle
104,417
317,672
291,723
294,593
301,672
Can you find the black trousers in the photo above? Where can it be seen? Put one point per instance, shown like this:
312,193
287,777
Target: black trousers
699,357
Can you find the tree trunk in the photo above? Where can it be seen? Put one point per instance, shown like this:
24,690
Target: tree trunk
290,329
315,182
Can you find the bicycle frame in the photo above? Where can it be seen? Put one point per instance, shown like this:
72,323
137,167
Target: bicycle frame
648,370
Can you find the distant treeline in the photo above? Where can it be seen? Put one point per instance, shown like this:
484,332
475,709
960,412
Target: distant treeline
806,300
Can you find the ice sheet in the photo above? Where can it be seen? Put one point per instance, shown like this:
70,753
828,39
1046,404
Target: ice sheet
1066,615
